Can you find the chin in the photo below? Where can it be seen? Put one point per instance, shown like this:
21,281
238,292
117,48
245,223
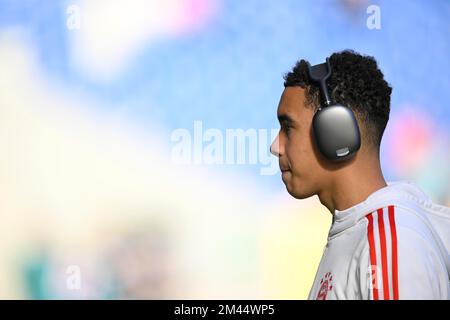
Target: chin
299,196
299,193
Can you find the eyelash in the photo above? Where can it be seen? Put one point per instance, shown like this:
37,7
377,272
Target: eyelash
286,128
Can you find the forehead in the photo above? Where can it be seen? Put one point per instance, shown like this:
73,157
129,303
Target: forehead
292,103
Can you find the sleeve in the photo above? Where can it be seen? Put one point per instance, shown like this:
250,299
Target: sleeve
401,260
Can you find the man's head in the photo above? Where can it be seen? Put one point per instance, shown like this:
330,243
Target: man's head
355,82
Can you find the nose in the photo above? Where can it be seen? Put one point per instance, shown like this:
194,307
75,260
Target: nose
275,147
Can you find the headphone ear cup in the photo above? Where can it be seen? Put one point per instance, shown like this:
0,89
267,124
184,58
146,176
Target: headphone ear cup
336,132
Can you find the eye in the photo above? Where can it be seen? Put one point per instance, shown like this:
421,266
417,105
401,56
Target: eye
286,128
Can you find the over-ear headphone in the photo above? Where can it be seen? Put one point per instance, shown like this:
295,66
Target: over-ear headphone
335,129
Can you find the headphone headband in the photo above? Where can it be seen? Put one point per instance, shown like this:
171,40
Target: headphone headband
320,73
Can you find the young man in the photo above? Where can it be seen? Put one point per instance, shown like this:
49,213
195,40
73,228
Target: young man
386,241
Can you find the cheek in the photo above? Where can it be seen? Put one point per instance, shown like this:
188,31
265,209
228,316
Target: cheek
300,154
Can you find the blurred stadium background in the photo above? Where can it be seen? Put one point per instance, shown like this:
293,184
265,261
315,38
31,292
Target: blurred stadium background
91,204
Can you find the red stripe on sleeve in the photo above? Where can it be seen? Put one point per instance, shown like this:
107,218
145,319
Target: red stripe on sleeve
373,257
394,252
383,254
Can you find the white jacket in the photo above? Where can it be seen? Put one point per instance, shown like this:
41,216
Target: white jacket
393,245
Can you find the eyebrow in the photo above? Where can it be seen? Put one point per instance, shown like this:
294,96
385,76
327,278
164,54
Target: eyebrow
285,118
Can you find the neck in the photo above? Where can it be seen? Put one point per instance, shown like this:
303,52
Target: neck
353,184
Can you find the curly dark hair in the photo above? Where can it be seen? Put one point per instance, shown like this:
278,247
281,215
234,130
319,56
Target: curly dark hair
355,82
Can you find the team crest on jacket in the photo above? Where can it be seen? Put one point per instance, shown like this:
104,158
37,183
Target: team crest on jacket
326,285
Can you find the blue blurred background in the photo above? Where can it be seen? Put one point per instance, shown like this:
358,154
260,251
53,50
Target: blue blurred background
93,204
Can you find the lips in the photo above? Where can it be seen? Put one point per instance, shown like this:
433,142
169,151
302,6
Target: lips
283,167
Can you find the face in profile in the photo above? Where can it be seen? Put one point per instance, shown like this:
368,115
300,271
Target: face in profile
300,163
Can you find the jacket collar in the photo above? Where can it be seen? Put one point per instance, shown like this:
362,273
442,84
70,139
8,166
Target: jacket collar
344,219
